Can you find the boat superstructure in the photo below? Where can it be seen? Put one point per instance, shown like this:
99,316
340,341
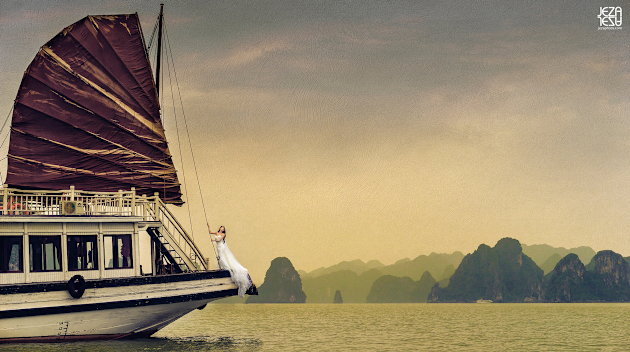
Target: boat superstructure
88,247
95,265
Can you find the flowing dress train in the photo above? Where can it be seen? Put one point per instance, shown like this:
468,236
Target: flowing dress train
227,261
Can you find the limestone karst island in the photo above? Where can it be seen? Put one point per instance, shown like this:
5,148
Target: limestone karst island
508,272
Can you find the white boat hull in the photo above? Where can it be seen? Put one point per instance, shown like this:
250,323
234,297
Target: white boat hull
125,311
93,325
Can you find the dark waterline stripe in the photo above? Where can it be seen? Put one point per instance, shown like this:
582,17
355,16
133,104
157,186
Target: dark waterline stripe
115,305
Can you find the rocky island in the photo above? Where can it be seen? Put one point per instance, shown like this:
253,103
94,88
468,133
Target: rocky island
282,284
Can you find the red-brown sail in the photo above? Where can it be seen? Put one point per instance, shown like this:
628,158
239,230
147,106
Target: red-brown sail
87,115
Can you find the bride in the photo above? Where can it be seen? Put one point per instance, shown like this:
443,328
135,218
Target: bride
227,261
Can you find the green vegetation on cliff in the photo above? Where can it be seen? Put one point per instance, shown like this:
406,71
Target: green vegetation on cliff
605,278
568,282
500,274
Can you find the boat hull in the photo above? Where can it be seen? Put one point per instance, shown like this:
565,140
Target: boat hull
106,310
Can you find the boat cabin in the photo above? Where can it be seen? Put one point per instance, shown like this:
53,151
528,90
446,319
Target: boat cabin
53,236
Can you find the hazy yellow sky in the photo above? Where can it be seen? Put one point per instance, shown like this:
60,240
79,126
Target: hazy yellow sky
337,130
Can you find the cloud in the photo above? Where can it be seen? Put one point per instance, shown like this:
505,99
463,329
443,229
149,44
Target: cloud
248,55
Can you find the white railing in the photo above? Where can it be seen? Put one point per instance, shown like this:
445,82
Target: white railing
122,203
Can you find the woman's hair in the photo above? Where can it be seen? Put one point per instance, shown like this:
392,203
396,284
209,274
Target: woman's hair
221,227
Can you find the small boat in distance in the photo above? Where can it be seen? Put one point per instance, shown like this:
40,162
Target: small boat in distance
481,300
88,248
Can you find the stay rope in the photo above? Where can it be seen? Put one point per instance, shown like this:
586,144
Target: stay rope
171,62
5,137
168,68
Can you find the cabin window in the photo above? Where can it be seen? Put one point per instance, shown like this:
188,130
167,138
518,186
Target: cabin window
117,251
11,255
82,253
45,253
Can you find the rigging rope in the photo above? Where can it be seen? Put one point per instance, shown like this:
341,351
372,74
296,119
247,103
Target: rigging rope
5,137
169,51
168,68
3,125
153,34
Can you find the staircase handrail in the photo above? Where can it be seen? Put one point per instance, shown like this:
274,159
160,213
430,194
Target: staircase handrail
171,220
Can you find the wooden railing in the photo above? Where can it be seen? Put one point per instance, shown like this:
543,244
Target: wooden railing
71,202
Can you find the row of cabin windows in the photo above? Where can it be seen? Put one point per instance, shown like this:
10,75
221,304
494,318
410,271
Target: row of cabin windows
45,253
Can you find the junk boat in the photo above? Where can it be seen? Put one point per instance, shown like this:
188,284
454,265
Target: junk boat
88,248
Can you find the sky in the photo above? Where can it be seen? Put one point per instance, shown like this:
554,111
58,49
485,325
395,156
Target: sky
326,131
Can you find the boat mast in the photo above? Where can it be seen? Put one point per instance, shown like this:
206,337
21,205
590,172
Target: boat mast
159,51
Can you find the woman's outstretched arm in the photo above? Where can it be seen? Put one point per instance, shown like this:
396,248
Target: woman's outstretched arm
212,238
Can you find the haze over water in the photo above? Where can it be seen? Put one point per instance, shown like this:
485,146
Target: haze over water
384,327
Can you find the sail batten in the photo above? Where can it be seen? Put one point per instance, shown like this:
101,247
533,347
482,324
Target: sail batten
153,127
102,129
68,177
144,94
45,105
124,156
87,115
74,156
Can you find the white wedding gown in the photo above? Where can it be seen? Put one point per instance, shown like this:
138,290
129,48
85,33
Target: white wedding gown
227,261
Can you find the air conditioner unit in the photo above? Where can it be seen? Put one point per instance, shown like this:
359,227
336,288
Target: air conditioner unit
72,208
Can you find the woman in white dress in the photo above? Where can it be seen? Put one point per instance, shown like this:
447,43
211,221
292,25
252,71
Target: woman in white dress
227,261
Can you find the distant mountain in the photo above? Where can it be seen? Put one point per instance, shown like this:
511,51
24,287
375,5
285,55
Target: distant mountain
501,274
446,275
605,278
402,261
282,284
354,287
551,262
434,263
448,271
393,289
540,253
357,265
423,288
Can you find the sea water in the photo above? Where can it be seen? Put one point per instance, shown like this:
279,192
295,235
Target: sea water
382,327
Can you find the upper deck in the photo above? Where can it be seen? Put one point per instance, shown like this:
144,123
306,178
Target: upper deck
74,202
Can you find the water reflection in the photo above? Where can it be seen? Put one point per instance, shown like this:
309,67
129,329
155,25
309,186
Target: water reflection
180,344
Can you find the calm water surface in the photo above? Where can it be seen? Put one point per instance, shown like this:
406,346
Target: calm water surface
383,327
